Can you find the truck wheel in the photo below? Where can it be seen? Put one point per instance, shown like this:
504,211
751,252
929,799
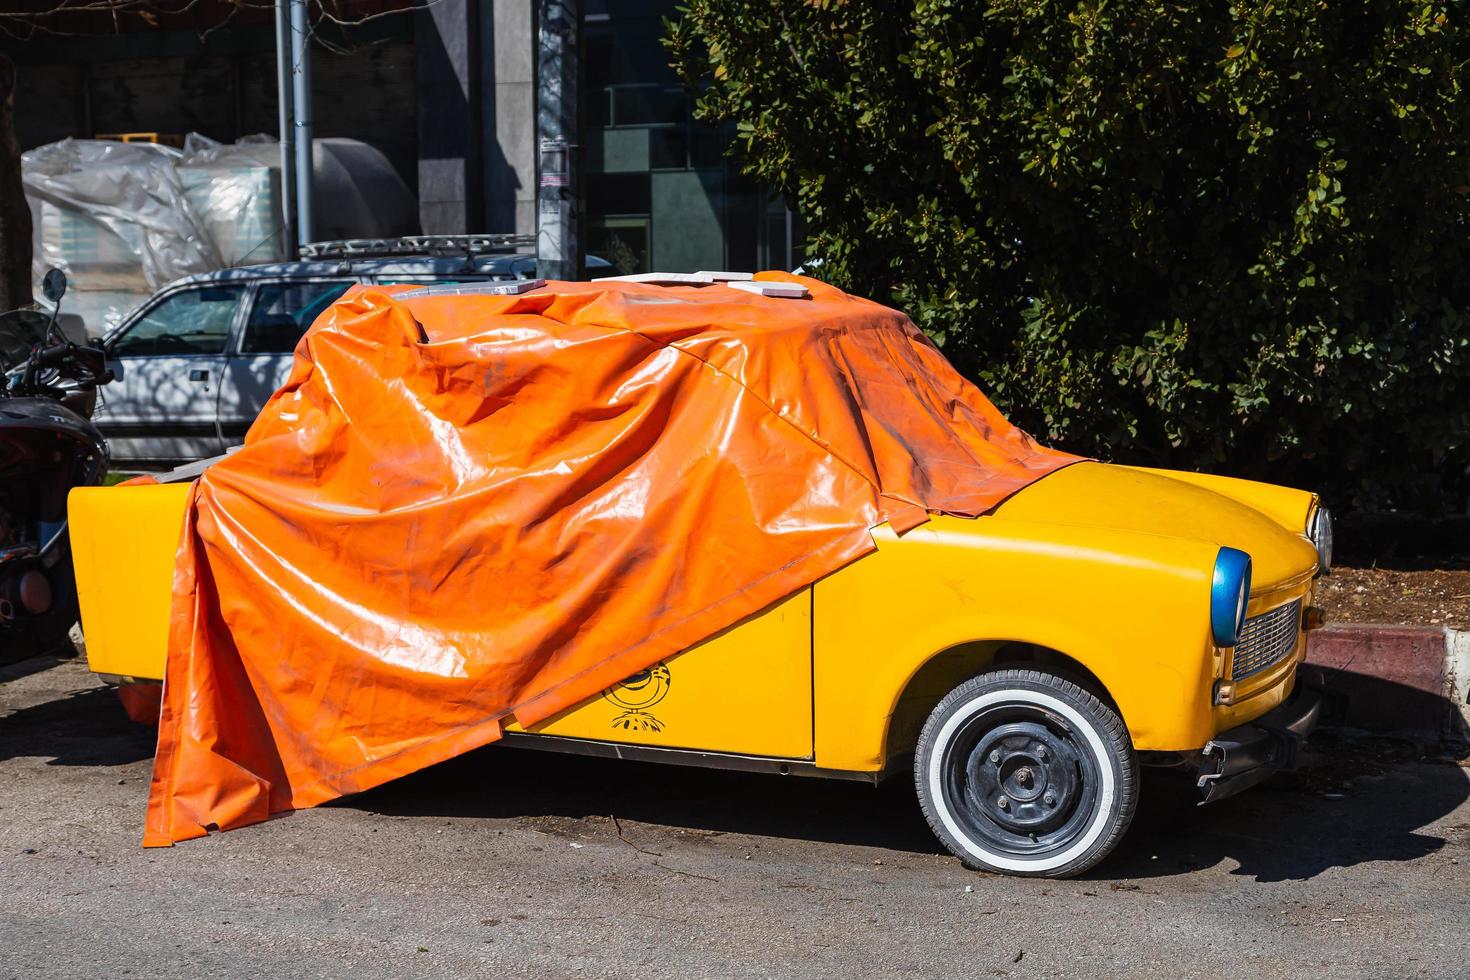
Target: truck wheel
1023,772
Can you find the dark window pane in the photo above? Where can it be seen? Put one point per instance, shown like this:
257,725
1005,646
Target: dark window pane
597,52
742,205
196,321
283,311
640,105
634,40
623,242
668,149
708,147
597,109
617,194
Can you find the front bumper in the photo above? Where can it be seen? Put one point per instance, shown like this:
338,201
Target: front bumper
1240,758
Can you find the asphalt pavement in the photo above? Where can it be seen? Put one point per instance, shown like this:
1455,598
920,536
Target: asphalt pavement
516,864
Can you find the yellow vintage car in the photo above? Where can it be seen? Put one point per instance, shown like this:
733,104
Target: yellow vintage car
1128,617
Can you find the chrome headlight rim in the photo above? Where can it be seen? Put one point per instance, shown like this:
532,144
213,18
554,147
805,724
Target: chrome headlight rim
1230,591
1319,532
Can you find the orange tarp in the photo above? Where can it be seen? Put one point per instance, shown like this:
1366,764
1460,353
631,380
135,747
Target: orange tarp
465,507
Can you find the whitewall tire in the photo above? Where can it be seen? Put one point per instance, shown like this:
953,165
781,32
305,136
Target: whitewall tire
1023,772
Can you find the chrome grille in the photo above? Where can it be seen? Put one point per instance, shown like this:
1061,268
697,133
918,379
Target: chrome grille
1266,640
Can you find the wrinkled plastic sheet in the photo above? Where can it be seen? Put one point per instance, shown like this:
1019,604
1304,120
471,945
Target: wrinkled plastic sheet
114,216
124,219
463,508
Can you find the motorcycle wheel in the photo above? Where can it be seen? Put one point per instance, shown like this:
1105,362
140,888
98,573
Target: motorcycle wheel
50,632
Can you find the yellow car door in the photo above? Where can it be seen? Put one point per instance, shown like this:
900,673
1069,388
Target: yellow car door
745,690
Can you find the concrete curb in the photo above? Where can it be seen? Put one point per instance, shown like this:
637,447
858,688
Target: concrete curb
1403,680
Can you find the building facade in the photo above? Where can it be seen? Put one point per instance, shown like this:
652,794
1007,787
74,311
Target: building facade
659,190
448,92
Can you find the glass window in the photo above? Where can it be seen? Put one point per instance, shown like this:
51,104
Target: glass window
617,194
283,311
596,108
597,54
623,242
637,105
668,149
195,321
708,146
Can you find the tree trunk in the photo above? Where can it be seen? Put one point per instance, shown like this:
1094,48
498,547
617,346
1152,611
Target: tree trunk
15,214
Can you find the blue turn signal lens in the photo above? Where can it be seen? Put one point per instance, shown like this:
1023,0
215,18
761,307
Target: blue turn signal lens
1230,590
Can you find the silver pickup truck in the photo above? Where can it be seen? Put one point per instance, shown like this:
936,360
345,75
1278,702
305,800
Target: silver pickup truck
196,363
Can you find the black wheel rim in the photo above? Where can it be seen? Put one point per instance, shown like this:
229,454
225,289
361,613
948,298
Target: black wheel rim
1020,780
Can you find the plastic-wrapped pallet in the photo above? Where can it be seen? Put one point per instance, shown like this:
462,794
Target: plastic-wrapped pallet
123,219
87,249
358,194
114,215
235,189
238,205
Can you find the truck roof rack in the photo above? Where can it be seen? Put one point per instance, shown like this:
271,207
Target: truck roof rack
441,245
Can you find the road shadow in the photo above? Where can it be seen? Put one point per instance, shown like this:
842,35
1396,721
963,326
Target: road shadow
36,665
1357,799
75,728
509,783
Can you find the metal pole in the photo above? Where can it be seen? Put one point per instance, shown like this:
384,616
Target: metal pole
790,240
558,242
288,141
301,103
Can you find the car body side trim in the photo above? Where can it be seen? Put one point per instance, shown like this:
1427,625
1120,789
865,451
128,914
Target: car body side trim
158,430
679,757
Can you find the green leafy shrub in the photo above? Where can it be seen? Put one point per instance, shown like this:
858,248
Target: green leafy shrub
1211,235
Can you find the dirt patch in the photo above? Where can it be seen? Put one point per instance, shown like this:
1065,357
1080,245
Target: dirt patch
1410,597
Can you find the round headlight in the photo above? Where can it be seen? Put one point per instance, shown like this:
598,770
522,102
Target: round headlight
1230,590
1319,532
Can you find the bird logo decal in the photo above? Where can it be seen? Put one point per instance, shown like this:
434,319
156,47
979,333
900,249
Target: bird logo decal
636,694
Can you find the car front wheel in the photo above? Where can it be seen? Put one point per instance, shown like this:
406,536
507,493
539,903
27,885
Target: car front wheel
1023,772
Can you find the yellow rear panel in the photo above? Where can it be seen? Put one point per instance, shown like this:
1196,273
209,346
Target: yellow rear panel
123,542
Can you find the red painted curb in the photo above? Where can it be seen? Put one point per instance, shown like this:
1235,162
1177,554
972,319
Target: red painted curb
1399,679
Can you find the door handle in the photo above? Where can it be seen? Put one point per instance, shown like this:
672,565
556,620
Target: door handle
199,375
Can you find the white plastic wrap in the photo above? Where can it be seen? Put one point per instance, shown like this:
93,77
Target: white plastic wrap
114,216
123,219
235,189
358,193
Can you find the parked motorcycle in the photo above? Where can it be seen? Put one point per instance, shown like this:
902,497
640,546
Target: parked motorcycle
48,389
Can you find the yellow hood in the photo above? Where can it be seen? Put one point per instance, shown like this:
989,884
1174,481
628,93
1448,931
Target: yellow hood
1265,521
